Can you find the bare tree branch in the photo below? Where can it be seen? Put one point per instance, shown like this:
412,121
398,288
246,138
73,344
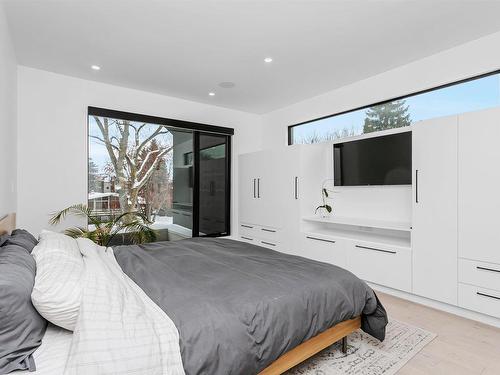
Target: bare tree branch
104,127
103,141
148,139
138,185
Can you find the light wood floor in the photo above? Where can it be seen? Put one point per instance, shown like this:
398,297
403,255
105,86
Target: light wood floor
462,347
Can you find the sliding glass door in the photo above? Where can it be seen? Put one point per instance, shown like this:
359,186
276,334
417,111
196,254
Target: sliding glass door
177,178
214,186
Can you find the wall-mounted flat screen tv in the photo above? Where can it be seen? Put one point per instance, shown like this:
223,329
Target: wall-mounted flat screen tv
384,160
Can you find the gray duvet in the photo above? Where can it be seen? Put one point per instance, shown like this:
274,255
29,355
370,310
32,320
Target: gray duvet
238,307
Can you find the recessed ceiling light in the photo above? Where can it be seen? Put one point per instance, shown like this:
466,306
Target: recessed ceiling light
211,93
268,59
96,67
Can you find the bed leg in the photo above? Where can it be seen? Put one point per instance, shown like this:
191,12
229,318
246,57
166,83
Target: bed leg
344,345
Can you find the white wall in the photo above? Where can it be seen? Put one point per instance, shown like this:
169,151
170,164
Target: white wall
8,100
52,136
470,59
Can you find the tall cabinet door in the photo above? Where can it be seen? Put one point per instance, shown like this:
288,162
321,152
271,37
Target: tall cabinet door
434,234
270,188
248,173
479,181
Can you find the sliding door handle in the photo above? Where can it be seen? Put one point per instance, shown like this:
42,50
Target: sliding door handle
296,187
258,188
416,185
254,189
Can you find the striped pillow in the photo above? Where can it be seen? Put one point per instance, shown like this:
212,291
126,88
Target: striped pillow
59,278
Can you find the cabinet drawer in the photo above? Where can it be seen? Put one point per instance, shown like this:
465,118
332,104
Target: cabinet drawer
486,275
380,264
270,244
324,249
248,230
268,233
483,300
248,239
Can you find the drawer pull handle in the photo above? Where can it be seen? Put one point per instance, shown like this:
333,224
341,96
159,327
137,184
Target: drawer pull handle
247,238
487,269
375,249
320,239
268,243
268,230
487,295
246,226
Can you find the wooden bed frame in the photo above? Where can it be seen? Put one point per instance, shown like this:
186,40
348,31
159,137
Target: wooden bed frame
7,223
312,346
288,360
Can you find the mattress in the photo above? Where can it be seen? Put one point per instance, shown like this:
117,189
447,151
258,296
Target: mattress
51,356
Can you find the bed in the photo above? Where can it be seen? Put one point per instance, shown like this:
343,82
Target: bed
243,309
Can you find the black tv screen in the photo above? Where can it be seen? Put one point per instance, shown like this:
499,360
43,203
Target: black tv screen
384,160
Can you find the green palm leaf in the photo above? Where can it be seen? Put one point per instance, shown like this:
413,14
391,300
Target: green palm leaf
135,224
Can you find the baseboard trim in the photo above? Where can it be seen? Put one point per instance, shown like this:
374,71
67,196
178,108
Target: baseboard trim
455,310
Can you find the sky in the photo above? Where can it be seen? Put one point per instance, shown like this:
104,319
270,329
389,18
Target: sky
466,97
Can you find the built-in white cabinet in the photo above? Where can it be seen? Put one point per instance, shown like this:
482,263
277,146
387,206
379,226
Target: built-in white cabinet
261,182
434,233
448,250
478,208
275,186
479,183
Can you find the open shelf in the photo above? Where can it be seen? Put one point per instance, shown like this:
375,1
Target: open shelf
359,222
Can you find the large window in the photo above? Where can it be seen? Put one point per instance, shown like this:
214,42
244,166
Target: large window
173,172
464,96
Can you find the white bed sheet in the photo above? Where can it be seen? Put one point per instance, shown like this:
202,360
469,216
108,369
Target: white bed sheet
51,356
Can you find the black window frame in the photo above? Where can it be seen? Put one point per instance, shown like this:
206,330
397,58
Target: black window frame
197,129
434,88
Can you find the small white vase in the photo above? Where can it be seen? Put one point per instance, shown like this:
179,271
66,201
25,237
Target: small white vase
323,213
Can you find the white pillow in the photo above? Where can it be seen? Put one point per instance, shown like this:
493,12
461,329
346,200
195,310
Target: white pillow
59,279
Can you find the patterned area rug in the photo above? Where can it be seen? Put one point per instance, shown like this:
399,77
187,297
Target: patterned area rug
367,356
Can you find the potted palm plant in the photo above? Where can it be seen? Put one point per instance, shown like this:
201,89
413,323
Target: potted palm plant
134,224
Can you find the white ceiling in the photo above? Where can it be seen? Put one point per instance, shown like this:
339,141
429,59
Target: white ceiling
186,48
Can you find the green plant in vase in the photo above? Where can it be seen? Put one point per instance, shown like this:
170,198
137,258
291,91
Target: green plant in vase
325,208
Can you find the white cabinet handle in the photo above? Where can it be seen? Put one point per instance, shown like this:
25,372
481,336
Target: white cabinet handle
268,243
247,238
296,187
268,230
254,188
320,239
258,188
487,269
375,249
487,295
416,185
246,226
